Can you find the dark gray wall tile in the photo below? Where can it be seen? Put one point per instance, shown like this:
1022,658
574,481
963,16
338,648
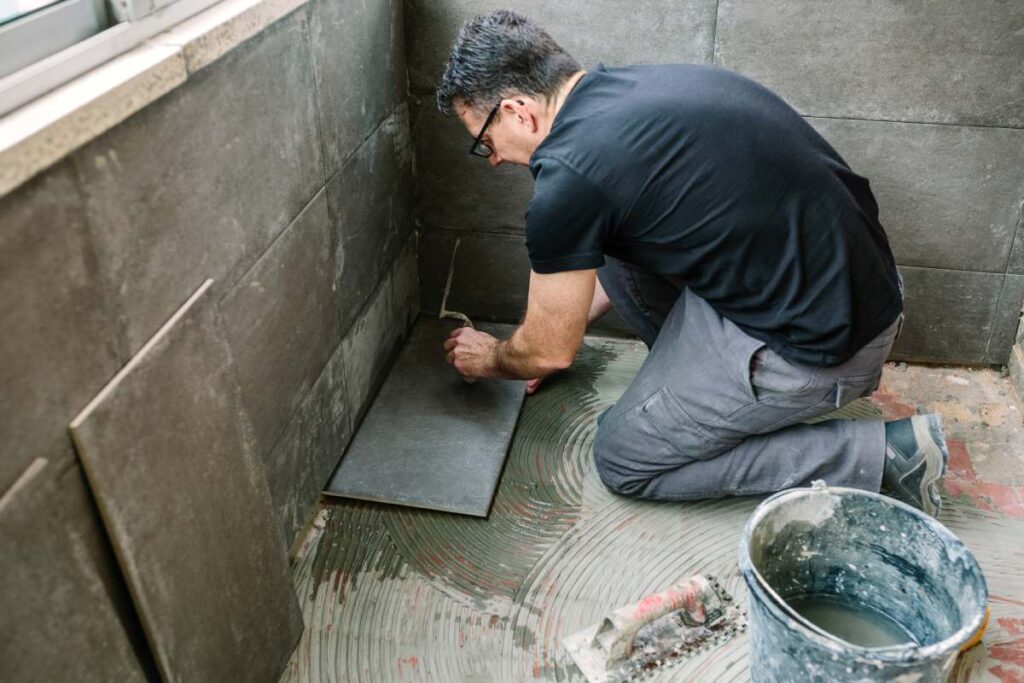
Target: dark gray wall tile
491,278
282,324
199,183
370,204
949,315
406,283
60,341
653,31
61,599
906,61
304,457
359,62
1007,320
949,196
168,453
457,190
371,345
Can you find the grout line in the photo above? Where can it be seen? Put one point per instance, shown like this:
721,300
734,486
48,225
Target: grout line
1017,237
912,122
995,319
714,34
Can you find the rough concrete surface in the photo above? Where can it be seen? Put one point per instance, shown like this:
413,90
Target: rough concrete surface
168,453
397,594
281,321
903,61
183,191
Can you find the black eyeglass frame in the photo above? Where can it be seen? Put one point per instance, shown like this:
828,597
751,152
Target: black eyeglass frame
478,147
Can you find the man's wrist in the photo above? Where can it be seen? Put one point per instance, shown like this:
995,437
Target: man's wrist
497,359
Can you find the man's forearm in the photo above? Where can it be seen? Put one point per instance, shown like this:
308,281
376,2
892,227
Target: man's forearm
518,358
600,305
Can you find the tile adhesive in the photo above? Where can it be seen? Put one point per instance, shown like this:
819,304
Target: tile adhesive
398,594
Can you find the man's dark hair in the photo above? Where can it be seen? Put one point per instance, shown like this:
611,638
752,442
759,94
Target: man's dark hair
501,54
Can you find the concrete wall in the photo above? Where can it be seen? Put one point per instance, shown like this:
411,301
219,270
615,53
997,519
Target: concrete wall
924,98
284,171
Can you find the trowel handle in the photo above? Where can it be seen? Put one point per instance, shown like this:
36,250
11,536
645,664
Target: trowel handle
617,632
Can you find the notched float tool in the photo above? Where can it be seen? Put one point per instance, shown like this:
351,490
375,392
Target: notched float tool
454,315
655,632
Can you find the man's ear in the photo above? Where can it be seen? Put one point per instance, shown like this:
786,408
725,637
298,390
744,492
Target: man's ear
519,108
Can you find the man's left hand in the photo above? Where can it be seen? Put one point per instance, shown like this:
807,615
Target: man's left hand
473,353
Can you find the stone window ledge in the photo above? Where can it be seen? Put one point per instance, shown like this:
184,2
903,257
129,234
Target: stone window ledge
40,133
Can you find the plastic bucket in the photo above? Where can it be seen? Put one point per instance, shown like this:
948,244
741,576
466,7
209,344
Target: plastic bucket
877,561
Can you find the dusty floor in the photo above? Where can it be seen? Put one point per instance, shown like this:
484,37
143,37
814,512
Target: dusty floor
393,594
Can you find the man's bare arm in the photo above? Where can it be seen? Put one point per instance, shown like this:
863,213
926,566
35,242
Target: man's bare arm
556,318
600,304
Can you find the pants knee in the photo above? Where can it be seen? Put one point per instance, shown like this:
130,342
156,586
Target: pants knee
611,468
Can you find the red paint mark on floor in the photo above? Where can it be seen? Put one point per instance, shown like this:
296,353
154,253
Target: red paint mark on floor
961,479
1009,653
892,407
1005,675
1013,626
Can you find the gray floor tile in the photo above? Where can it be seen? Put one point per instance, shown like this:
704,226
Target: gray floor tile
654,32
948,196
949,315
905,61
282,323
359,62
169,458
430,440
60,593
216,193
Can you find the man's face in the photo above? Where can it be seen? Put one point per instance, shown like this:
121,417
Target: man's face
511,133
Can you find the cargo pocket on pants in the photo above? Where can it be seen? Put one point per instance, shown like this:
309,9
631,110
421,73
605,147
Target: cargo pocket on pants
681,437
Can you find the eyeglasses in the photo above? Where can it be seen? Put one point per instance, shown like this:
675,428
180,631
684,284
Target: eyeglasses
480,148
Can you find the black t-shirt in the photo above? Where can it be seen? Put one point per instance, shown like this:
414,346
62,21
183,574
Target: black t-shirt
702,175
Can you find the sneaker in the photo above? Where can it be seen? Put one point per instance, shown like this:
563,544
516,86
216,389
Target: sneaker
915,460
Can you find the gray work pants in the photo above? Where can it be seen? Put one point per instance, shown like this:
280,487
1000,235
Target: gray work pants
714,412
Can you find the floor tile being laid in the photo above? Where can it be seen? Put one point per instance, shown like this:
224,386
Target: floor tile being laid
431,440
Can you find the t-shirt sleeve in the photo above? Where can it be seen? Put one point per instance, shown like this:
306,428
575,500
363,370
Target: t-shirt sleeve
568,220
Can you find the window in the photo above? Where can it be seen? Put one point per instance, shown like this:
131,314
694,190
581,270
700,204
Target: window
45,43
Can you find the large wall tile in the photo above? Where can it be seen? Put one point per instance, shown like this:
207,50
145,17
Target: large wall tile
1007,320
64,609
168,453
939,61
491,278
649,32
949,315
372,342
60,341
359,62
282,323
304,457
199,183
949,196
370,203
457,190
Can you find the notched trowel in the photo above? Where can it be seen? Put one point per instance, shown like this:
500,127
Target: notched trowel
454,315
635,640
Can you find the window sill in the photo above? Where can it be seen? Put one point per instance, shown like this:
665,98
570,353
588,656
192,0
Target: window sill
37,135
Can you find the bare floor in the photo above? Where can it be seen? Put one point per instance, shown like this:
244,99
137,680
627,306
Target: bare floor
397,594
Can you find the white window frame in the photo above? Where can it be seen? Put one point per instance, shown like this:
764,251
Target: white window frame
140,20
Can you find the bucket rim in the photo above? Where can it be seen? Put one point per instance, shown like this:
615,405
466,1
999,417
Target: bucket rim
892,653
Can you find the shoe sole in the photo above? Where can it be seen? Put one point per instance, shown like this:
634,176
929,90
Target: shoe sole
934,465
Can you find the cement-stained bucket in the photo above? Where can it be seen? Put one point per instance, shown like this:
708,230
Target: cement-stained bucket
847,585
